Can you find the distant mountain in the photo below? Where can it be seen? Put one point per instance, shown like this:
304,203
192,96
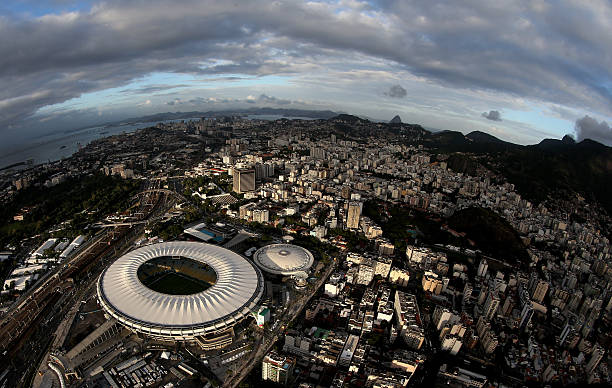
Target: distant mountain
313,114
348,119
567,139
551,144
593,145
446,138
396,120
476,142
568,144
351,125
482,137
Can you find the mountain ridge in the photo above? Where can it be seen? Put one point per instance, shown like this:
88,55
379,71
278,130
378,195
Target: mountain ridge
552,168
314,114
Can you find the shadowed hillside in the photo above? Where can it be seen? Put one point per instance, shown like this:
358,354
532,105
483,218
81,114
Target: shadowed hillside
561,168
491,233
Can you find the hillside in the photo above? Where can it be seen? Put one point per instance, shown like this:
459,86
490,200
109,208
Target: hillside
348,119
474,142
359,127
482,137
546,169
492,234
562,168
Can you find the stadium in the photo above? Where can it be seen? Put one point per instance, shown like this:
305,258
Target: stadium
186,291
284,259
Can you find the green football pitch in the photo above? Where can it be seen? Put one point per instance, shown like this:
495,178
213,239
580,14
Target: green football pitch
177,284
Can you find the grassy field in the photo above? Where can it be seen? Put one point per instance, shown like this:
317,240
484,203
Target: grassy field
177,284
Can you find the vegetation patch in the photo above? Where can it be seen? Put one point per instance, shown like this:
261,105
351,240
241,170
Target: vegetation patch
492,234
81,200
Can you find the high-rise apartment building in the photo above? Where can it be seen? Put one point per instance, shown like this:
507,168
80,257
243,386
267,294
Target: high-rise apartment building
539,290
491,305
354,212
482,268
409,319
277,368
244,180
596,358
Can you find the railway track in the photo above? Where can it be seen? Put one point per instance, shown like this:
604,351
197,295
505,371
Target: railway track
24,319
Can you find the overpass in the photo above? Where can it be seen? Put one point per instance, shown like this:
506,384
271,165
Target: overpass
164,191
114,224
137,222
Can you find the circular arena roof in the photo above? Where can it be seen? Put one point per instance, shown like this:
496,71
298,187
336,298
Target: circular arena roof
283,259
238,288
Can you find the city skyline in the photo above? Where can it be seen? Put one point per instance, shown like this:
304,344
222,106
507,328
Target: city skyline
522,71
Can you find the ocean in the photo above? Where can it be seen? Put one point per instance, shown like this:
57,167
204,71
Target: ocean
63,144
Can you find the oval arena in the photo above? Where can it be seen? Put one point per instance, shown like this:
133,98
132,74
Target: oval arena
180,291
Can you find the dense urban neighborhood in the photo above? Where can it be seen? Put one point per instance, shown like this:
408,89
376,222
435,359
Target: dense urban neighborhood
341,252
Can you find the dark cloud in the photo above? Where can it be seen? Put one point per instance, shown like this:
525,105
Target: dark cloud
492,115
588,128
153,89
198,100
542,50
396,91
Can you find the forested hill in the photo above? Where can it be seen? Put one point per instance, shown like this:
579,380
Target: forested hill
561,168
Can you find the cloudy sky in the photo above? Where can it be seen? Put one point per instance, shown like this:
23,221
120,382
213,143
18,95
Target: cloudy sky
520,70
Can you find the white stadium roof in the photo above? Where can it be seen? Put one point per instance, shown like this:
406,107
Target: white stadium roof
237,291
283,259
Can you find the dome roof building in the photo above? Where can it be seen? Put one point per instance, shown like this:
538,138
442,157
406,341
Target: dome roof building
283,259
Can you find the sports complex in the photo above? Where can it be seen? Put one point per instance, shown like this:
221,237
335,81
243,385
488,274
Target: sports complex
187,291
284,259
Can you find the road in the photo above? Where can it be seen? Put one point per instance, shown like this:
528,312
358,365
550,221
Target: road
270,338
